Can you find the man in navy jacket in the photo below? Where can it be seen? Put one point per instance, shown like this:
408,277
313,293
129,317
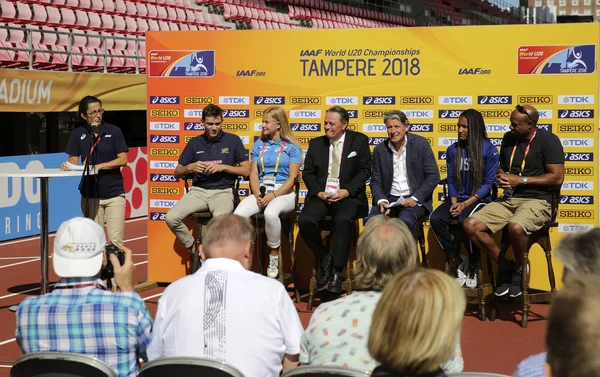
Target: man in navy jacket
404,173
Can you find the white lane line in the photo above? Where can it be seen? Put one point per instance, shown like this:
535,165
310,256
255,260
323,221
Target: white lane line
13,258
35,238
153,296
19,263
7,341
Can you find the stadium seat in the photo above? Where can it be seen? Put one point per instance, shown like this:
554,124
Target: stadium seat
94,21
131,25
120,24
171,14
173,26
108,23
163,26
120,7
82,20
9,12
53,16
59,3
23,13
153,25
142,10
142,25
184,27
180,15
152,11
162,12
131,9
190,16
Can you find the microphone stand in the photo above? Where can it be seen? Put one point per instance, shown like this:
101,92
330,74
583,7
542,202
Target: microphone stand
84,182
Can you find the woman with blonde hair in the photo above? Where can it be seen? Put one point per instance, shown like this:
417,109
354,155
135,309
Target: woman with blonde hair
276,158
338,331
416,324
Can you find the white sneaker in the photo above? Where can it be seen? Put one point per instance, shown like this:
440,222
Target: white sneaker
471,281
461,276
273,269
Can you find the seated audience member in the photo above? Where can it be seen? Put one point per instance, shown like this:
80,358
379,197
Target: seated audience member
80,315
227,313
531,167
573,329
580,254
336,169
472,163
404,173
215,158
416,324
338,331
276,159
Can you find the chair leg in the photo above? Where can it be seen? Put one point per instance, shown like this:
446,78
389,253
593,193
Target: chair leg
293,257
421,241
525,289
311,289
547,247
195,255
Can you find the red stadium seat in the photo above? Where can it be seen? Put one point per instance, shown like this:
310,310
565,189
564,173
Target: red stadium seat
131,9
81,19
254,24
153,25
109,6
131,25
190,16
180,15
95,22
9,12
173,26
162,12
53,16
23,13
142,11
120,7
163,25
142,25
184,27
107,22
59,3
171,14
152,11
40,17
119,23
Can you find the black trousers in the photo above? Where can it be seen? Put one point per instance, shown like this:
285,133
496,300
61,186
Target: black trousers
343,215
409,215
440,225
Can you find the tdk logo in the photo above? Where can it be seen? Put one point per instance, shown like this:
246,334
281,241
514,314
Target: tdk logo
165,139
306,127
164,100
496,141
376,140
236,113
163,178
441,155
577,143
192,113
162,203
446,141
427,127
545,114
269,100
568,228
166,165
575,114
579,157
379,100
503,128
158,216
341,100
193,126
164,126
418,114
455,100
305,114
576,100
494,100
448,114
352,113
578,186
575,199
545,127
229,100
374,127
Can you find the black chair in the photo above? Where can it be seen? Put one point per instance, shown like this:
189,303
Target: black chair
188,366
287,219
324,371
542,238
50,364
202,218
483,290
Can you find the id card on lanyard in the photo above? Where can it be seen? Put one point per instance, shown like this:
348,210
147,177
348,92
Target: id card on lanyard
509,192
269,181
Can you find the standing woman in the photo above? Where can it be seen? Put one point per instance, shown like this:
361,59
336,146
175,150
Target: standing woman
276,159
472,163
104,147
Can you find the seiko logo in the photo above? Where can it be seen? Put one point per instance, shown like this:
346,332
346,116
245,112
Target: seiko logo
164,100
164,190
495,113
198,100
164,152
417,100
494,100
579,170
164,113
379,100
164,126
341,100
577,128
576,100
447,127
455,100
535,99
269,100
305,100
235,126
575,214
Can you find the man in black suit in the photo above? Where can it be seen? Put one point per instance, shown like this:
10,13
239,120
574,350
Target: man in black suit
336,168
404,173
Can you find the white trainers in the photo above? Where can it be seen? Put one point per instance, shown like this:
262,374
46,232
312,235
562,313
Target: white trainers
461,276
471,281
273,269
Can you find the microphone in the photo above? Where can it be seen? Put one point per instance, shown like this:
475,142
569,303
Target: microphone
263,190
94,126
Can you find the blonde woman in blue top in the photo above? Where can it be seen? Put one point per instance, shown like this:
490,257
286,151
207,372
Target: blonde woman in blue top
276,159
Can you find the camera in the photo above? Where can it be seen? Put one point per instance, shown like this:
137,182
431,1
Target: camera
109,272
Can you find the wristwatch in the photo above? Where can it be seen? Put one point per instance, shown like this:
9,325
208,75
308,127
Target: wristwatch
525,179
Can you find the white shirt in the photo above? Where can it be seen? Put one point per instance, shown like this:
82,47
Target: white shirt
400,185
230,314
340,150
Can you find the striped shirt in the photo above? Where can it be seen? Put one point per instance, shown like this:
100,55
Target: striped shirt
533,366
81,316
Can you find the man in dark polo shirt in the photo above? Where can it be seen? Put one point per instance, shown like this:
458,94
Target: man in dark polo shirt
103,145
531,166
215,159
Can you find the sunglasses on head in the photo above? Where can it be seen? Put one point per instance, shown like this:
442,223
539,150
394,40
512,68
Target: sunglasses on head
522,110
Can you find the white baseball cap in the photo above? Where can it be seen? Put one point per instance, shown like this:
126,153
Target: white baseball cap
78,248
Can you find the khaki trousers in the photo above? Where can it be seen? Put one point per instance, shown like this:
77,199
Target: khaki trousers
110,212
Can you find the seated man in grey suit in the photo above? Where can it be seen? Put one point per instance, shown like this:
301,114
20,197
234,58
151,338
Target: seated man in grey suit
404,173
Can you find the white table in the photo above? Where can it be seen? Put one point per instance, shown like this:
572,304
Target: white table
43,174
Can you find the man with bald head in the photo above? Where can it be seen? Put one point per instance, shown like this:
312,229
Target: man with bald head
531,166
227,313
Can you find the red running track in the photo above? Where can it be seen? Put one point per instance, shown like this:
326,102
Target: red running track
495,347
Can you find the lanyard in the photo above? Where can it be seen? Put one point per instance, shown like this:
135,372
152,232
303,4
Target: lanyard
262,157
93,148
524,155
81,286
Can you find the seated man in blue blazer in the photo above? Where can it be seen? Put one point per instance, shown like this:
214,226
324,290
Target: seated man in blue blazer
404,173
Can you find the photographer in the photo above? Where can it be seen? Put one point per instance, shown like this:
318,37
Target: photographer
81,315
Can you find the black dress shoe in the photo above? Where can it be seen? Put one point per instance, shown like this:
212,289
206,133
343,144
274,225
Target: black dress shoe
325,273
335,284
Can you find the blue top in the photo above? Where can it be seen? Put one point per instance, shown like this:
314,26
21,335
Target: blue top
107,183
113,327
533,366
225,149
290,154
490,167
